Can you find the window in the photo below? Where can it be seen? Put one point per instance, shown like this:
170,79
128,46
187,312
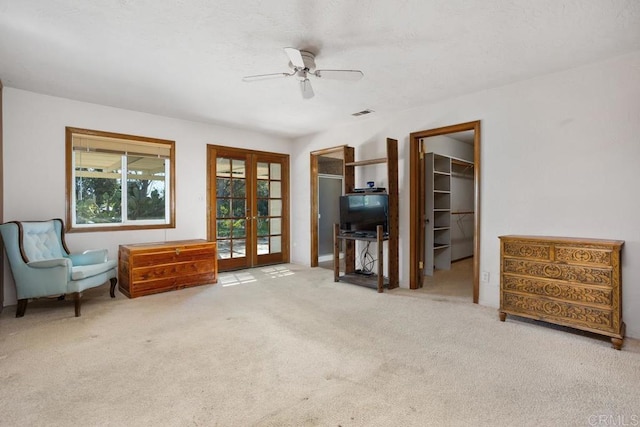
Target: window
117,182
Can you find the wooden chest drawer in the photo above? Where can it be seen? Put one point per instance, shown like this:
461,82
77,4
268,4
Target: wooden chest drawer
568,281
159,267
559,311
558,289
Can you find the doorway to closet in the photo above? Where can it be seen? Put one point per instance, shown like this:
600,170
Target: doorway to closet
248,206
445,210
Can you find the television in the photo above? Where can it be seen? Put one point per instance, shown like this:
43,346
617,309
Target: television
362,213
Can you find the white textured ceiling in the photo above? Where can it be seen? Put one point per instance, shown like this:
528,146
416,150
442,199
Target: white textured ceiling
186,58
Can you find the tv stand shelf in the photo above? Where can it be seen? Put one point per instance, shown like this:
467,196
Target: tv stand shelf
391,160
354,277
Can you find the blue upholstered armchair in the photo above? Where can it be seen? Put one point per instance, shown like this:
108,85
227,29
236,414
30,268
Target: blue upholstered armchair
42,265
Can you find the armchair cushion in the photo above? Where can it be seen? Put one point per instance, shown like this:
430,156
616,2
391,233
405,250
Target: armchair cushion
84,271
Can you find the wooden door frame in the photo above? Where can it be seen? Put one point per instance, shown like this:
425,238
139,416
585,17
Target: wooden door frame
212,151
417,196
347,156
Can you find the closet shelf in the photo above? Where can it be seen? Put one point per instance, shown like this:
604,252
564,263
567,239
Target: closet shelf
461,163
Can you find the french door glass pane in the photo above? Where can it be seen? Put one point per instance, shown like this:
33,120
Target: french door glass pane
263,188
263,245
276,226
239,248
224,249
276,244
276,171
275,207
269,189
276,189
238,168
231,207
223,167
263,170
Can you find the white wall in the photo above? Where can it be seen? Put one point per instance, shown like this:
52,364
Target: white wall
34,164
559,157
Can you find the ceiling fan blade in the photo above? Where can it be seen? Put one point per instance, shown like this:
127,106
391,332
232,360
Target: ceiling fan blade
306,89
339,74
295,57
265,76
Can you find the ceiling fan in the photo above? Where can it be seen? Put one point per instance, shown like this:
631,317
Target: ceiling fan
303,65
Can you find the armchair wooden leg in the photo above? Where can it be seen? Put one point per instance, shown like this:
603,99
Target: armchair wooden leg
112,291
22,307
76,299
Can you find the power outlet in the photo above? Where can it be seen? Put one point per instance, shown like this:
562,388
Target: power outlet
484,277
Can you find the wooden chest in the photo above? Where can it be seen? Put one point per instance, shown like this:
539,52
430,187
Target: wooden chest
567,281
149,268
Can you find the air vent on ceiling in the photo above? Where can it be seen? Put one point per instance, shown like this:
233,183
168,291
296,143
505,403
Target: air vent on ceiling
362,113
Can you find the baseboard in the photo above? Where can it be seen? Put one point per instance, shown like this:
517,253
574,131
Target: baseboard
328,257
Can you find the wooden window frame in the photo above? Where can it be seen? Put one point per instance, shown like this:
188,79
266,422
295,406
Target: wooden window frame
70,187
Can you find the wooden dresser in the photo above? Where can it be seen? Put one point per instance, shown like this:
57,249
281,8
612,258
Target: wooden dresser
149,268
567,281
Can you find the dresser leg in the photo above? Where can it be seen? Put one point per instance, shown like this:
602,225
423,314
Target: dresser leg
503,316
617,343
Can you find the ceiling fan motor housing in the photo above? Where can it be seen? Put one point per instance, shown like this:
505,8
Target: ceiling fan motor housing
309,61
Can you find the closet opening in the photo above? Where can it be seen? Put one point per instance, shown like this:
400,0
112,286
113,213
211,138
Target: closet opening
444,215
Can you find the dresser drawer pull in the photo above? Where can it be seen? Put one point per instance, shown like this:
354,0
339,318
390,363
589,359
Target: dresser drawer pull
177,251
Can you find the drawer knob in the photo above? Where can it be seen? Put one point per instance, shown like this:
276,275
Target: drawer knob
177,251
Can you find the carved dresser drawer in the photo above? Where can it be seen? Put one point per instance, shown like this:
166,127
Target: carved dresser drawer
567,281
149,268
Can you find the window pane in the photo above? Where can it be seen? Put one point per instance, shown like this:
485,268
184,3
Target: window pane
263,170
239,228
223,187
223,228
263,207
224,208
276,226
263,188
223,167
275,207
239,208
239,248
224,249
263,245
276,245
276,189
263,226
276,171
238,188
239,170
98,188
145,188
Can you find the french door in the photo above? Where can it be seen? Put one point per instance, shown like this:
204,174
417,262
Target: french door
248,201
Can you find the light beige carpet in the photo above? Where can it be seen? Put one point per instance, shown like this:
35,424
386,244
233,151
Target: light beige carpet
286,346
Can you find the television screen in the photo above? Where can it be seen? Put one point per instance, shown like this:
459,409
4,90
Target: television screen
364,212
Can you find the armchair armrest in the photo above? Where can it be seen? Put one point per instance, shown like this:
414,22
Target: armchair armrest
49,263
88,257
